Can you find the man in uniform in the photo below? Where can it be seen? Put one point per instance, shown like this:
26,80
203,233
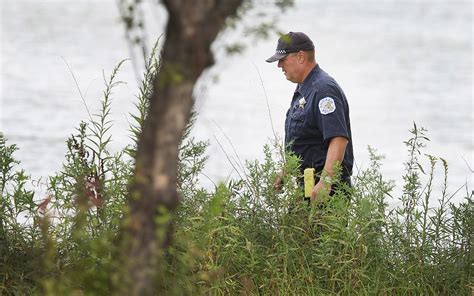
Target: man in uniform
317,126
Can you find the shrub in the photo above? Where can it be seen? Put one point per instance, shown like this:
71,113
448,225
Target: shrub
242,237
19,231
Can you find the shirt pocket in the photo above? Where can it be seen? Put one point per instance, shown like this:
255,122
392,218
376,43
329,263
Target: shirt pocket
298,118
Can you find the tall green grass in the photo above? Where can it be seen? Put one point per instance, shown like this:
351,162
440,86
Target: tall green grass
243,236
258,241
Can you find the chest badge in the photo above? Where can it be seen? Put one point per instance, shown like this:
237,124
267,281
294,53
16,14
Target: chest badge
327,105
301,102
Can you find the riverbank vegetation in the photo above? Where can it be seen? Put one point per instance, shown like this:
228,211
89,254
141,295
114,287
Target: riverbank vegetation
242,237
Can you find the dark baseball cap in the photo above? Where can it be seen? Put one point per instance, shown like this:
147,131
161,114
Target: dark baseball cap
289,43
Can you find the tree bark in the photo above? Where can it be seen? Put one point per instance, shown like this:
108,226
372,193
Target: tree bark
192,27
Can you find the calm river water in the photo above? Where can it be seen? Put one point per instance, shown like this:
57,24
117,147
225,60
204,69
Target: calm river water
399,62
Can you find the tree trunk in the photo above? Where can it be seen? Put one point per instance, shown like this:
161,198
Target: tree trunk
192,27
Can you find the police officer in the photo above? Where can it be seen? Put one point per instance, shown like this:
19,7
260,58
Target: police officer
317,126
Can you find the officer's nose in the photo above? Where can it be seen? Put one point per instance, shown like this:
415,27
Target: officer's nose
280,63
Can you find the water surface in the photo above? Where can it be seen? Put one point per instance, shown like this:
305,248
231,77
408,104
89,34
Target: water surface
398,63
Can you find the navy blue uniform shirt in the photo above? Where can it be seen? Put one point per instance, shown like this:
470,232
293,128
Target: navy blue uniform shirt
318,112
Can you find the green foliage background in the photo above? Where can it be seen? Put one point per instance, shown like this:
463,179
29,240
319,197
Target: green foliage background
243,237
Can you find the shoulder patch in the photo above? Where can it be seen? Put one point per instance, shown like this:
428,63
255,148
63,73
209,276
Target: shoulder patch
327,105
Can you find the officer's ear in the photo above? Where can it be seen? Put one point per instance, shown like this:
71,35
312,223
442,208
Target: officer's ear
301,57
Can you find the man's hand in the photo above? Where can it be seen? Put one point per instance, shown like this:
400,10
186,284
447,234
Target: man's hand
335,154
278,183
320,189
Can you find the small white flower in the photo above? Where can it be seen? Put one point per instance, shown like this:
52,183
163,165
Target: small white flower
302,101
